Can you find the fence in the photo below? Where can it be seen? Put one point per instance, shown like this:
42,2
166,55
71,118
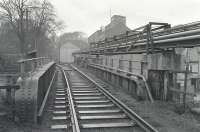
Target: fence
31,65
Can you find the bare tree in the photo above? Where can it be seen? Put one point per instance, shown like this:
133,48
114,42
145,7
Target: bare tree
29,16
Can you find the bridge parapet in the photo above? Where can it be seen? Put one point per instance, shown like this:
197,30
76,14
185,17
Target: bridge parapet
34,85
124,79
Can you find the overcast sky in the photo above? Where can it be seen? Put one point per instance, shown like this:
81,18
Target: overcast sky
89,15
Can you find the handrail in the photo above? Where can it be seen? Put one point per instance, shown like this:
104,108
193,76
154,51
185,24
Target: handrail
133,74
30,65
169,31
32,59
74,119
140,39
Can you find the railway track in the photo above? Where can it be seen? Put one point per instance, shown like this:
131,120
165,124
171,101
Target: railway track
64,116
81,104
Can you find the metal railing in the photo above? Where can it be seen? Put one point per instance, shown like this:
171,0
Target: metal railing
31,65
128,74
140,37
128,65
147,39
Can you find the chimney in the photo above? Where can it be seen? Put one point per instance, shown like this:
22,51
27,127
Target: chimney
117,19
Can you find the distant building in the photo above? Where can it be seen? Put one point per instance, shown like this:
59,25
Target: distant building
115,27
66,52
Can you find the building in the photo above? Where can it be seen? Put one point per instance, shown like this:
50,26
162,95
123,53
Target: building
66,52
115,27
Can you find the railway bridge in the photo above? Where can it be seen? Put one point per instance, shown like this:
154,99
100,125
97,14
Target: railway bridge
152,62
165,57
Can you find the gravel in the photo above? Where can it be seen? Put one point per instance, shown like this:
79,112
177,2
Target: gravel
160,114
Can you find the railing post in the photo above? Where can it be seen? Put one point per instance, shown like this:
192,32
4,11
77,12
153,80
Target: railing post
22,69
130,66
119,64
13,102
111,62
35,64
32,66
39,63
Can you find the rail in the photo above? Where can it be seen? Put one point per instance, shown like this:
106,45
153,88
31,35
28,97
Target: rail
31,65
129,74
75,125
142,123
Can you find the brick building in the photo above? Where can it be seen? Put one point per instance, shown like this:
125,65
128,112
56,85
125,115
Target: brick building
115,27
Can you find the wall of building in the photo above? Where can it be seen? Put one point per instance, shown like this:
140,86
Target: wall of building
66,52
115,27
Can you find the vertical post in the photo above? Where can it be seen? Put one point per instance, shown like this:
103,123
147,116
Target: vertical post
8,95
39,62
130,66
42,61
13,102
185,81
119,64
59,54
22,68
147,49
112,62
8,90
166,81
148,36
128,83
32,66
185,87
